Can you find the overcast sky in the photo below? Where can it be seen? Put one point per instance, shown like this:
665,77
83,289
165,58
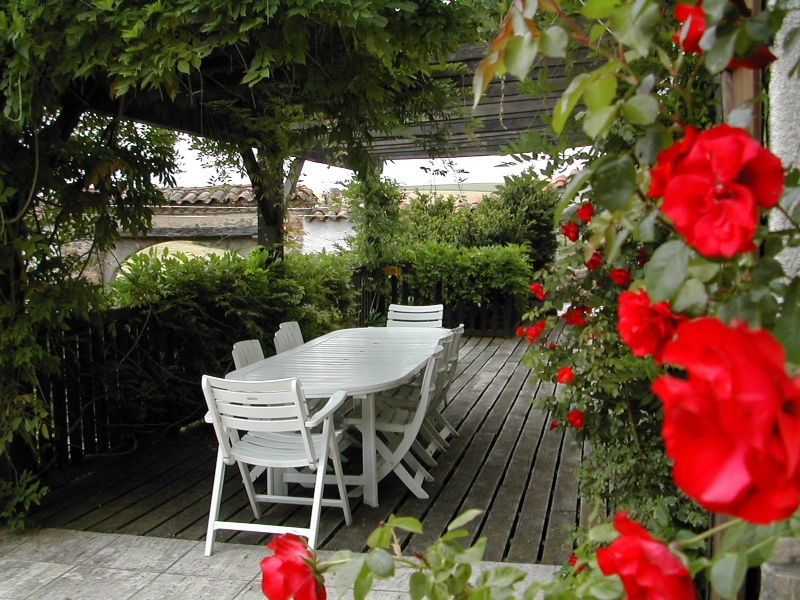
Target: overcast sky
321,178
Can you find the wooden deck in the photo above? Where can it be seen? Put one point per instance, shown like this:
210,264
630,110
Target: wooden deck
505,461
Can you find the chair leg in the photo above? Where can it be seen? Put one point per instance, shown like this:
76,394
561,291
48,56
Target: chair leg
216,500
337,469
393,463
248,486
319,485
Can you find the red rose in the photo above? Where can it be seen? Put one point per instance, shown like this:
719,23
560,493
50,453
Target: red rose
570,230
758,60
667,159
694,26
552,346
565,375
585,212
594,262
715,188
290,573
520,331
621,277
576,417
573,560
732,426
641,257
646,327
533,332
553,425
647,568
537,289
575,315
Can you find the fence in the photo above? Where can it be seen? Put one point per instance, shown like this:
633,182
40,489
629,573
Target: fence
109,386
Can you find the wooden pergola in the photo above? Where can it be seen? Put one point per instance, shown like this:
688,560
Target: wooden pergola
503,115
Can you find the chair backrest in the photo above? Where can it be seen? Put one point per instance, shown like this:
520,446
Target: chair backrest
246,353
401,315
452,354
441,377
263,406
288,336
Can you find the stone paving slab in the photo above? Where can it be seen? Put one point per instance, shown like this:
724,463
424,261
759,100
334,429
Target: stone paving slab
60,564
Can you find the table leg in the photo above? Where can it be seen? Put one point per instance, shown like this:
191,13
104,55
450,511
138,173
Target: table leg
369,451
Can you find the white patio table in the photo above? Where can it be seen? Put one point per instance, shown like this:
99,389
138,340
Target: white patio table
362,361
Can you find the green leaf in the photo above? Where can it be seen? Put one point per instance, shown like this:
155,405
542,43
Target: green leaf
183,66
721,53
636,30
520,52
553,42
608,588
703,269
787,327
647,227
464,518
691,298
641,109
766,270
406,523
598,9
649,145
566,104
613,181
473,554
347,575
575,185
727,574
381,563
598,120
601,92
380,538
666,270
501,577
614,243
603,534
363,585
741,116
418,586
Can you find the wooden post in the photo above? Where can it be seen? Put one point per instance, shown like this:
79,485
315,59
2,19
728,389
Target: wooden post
739,86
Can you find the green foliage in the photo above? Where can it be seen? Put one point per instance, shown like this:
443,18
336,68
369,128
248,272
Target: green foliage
519,212
375,206
443,572
210,303
453,274
223,299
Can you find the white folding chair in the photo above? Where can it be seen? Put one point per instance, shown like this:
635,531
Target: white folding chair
246,353
402,315
266,424
288,336
399,427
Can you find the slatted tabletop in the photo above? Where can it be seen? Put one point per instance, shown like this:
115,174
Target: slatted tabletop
505,461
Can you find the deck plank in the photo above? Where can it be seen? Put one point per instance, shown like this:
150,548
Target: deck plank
504,461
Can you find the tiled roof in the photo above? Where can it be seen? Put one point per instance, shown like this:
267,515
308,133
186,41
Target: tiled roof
236,195
326,213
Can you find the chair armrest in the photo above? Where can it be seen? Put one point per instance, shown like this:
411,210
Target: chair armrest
333,403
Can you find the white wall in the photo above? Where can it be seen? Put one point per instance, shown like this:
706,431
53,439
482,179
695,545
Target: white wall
323,235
